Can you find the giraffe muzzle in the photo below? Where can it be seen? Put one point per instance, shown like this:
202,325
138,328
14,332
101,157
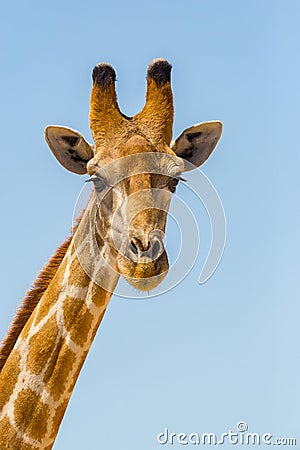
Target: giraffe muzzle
145,253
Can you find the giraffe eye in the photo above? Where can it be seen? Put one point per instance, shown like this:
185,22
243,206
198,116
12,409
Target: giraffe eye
172,185
98,182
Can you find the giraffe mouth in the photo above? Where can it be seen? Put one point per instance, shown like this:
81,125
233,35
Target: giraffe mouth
143,276
146,284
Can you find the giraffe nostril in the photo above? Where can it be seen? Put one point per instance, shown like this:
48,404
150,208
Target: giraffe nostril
156,249
134,248
138,246
152,252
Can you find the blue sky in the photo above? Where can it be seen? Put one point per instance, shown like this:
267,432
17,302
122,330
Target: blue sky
199,358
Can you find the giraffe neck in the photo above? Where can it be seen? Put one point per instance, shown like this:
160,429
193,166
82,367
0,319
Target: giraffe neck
39,375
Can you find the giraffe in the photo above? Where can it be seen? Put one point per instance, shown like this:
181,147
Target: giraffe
50,336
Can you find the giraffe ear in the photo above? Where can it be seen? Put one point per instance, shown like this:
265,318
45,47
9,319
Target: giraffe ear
196,144
69,148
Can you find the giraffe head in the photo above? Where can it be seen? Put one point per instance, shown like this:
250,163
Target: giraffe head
135,168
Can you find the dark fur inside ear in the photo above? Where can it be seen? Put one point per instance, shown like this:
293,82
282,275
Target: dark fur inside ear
188,150
76,157
71,140
191,136
186,153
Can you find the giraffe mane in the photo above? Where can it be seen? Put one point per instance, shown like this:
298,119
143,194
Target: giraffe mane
32,297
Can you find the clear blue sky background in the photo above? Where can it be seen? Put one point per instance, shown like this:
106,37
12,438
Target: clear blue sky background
198,358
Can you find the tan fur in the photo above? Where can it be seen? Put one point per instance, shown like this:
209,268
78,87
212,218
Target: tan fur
103,106
157,115
11,377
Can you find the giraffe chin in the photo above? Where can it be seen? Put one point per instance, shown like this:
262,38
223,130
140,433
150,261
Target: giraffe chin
143,276
146,284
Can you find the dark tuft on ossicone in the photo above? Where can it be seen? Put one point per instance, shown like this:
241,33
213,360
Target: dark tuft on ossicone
104,74
160,71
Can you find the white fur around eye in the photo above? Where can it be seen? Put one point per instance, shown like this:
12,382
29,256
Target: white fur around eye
99,183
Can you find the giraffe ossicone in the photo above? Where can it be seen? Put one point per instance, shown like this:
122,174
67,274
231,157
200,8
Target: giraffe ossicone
134,168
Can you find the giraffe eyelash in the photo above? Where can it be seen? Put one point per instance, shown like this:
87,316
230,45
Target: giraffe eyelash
181,179
92,178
